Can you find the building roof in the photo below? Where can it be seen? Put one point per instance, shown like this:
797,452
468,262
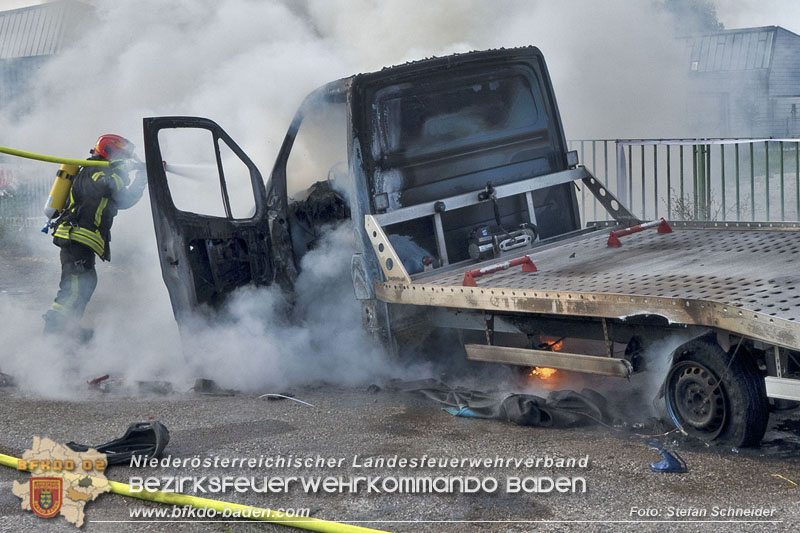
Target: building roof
738,49
37,30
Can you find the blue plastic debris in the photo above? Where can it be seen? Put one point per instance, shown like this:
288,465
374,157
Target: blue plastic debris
463,411
671,462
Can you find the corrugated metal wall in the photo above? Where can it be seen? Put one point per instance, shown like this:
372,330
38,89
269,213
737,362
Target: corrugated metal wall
32,31
28,38
732,50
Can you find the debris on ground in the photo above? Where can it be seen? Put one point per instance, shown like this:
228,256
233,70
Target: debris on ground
141,438
671,462
278,396
6,380
563,408
284,396
98,380
155,387
791,484
208,387
104,383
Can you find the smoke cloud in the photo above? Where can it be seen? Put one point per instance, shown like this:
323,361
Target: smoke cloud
247,64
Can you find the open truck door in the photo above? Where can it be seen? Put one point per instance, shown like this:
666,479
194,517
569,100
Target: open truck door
212,230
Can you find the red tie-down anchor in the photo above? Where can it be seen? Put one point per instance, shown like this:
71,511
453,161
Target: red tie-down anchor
470,275
613,237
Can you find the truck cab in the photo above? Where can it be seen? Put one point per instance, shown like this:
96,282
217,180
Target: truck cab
397,143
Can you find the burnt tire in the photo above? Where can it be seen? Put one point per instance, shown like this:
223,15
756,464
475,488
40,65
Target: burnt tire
734,412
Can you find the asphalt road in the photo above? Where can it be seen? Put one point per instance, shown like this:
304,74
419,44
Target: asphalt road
348,422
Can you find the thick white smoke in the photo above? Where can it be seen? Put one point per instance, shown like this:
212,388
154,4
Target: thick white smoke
260,342
264,342
754,13
247,64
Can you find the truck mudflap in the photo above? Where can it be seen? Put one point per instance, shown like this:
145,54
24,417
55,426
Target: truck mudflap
783,388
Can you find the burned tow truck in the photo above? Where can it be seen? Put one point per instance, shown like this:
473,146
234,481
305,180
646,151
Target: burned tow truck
455,175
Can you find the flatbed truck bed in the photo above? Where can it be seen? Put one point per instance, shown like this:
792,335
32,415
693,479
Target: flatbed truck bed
741,277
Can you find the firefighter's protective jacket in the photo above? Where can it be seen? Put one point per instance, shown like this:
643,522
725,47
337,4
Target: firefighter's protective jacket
96,195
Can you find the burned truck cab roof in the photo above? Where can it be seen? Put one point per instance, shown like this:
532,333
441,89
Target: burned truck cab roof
439,127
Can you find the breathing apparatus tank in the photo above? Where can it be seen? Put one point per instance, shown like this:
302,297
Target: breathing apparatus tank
59,192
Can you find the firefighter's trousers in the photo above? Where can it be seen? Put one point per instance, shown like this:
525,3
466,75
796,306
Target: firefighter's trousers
78,281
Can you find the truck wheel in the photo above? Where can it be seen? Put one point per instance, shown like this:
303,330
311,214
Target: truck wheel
733,411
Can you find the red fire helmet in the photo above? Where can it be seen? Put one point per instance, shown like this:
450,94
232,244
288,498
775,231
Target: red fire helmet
112,146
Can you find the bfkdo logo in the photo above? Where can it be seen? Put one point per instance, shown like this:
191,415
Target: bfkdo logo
46,495
63,481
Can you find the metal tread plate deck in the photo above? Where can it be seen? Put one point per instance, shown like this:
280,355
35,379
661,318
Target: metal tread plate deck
734,276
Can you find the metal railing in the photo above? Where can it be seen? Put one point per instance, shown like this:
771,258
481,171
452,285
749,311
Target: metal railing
679,179
695,179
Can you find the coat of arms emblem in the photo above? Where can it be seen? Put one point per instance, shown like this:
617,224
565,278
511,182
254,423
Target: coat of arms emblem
46,495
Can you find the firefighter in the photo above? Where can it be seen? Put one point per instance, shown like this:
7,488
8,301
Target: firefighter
83,229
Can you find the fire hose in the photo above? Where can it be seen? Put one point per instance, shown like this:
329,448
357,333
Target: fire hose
180,170
53,159
59,192
261,514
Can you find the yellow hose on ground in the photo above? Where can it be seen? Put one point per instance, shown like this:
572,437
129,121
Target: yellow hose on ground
265,515
52,159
